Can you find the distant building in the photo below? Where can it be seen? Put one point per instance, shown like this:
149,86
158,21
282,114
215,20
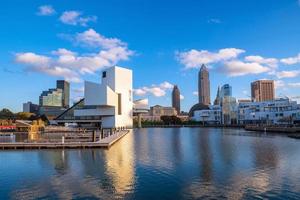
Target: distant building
56,97
158,110
279,111
244,100
217,101
229,110
51,98
65,87
226,91
204,86
176,99
262,90
208,115
30,107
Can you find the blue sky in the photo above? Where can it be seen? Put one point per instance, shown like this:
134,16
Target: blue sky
164,42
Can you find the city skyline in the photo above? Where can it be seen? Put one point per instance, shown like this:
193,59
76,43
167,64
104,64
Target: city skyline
78,41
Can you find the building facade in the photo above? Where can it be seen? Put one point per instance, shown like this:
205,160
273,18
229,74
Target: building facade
262,90
30,107
109,102
204,86
212,115
65,87
279,111
176,99
226,91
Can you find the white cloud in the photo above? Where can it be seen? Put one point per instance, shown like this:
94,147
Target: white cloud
279,84
195,93
155,90
75,18
181,97
294,85
239,68
291,60
32,59
195,58
288,74
93,39
271,62
71,65
46,10
166,85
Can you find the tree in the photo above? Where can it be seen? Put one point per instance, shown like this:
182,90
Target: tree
24,115
6,114
170,120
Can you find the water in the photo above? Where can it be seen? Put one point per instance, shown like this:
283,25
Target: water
186,163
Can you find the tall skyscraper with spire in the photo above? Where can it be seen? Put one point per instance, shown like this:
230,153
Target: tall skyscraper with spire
204,86
176,99
218,98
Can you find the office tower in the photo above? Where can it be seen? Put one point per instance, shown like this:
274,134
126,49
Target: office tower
218,98
262,90
176,99
204,86
226,91
51,98
65,87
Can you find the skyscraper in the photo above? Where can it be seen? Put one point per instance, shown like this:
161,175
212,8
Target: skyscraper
204,86
176,99
226,91
262,90
218,98
65,87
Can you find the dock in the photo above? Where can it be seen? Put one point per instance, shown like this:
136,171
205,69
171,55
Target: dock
106,142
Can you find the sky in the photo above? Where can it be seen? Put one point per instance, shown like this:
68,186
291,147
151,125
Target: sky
163,42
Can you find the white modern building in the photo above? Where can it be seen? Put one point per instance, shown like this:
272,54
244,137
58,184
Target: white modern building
210,115
109,101
279,111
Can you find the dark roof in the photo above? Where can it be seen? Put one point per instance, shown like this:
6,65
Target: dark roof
198,106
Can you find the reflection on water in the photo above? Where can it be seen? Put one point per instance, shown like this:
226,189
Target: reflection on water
186,163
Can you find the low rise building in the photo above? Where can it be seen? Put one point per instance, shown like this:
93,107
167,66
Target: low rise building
211,114
30,107
279,111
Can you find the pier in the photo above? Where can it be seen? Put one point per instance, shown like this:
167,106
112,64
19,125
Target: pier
98,142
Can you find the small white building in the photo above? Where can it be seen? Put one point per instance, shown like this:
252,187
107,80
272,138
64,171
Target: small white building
210,115
110,101
279,111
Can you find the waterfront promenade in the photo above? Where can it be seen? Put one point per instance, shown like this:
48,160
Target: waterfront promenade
105,142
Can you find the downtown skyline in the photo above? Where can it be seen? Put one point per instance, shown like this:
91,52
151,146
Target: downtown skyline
164,43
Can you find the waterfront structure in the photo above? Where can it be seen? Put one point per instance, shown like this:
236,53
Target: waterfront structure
176,99
208,115
30,107
204,86
279,111
262,90
109,103
65,87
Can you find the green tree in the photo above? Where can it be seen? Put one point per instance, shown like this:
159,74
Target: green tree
6,114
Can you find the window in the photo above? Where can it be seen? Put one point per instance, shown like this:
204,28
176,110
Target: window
119,104
104,74
130,95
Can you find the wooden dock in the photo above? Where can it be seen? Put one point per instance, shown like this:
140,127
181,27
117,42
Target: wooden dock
102,143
